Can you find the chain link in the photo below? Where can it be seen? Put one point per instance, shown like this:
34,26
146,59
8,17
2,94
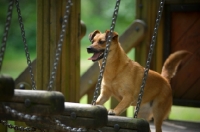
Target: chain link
68,128
25,44
108,42
152,45
21,116
13,112
20,128
59,47
6,29
34,118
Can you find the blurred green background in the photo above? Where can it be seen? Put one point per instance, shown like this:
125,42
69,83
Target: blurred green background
96,14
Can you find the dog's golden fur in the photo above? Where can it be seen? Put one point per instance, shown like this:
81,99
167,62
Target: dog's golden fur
122,78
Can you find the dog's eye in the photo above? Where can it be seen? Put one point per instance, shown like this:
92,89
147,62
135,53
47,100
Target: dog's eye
101,42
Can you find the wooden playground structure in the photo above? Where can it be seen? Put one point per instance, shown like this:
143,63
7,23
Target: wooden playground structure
174,33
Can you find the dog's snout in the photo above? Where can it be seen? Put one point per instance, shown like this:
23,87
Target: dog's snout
89,49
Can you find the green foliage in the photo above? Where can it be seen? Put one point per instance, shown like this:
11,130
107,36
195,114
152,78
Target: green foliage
97,14
28,13
14,59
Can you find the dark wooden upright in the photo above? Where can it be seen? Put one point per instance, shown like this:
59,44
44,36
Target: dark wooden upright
49,19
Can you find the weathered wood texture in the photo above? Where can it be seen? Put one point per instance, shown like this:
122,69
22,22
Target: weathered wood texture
126,124
7,85
185,35
76,115
50,15
147,11
34,102
93,122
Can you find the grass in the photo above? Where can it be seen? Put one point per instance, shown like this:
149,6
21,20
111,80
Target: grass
15,62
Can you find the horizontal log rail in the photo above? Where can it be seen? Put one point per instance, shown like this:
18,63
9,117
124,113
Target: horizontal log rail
36,102
113,124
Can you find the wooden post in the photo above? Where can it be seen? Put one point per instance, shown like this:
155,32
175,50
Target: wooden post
147,11
50,14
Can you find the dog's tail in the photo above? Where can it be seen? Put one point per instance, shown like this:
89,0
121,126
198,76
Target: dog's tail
171,64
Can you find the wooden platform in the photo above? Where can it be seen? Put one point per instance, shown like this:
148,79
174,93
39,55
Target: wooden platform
177,126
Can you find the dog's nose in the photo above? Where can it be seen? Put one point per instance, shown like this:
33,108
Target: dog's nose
89,49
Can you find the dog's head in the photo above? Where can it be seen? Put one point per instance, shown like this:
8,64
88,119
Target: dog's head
98,45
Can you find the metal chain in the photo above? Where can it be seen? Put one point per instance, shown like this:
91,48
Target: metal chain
6,29
68,128
3,48
108,42
152,45
34,118
21,128
19,115
52,78
25,45
59,47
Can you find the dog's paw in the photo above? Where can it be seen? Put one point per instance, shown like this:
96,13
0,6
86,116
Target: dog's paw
111,112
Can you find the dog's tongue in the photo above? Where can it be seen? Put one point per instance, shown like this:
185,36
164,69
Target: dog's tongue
94,57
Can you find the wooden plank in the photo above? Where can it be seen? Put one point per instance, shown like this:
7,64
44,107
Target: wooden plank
46,47
70,63
146,11
158,48
94,117
126,124
68,71
35,102
23,81
39,48
185,33
53,37
182,2
186,77
193,91
7,85
77,115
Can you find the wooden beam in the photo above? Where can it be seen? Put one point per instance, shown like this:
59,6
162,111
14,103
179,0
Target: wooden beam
147,11
36,102
78,116
7,85
50,16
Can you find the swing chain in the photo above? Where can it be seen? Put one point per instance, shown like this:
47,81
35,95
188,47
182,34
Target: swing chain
5,35
25,45
152,45
59,46
21,128
108,42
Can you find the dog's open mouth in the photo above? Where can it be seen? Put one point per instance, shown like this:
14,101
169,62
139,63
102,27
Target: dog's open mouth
97,56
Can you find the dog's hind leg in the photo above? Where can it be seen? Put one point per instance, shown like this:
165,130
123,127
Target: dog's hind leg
161,109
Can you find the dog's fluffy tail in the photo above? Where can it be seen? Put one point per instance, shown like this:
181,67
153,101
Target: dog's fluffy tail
171,64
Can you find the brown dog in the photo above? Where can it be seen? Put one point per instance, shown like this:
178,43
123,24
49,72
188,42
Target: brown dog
123,77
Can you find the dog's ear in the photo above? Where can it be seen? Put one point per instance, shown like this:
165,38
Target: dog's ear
91,35
114,35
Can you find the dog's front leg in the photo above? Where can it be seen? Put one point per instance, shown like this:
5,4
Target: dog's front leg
122,106
103,97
